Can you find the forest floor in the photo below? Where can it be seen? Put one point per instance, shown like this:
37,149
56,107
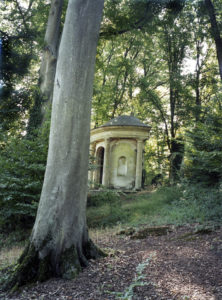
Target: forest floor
184,264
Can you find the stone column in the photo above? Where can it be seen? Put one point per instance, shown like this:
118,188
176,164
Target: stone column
91,173
139,162
105,179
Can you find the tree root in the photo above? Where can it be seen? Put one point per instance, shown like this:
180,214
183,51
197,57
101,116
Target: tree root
30,268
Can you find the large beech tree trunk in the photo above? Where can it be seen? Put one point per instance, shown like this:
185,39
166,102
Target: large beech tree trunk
59,244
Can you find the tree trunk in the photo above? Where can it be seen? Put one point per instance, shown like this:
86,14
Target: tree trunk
197,83
215,33
59,244
50,53
176,158
44,94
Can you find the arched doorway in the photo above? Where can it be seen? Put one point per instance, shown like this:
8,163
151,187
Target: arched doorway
100,161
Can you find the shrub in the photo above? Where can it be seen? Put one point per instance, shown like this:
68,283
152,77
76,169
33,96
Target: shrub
205,203
98,198
203,163
22,167
104,208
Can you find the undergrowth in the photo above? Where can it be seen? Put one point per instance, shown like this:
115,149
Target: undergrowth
197,204
168,205
133,209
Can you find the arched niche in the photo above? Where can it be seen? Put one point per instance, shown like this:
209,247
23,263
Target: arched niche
122,166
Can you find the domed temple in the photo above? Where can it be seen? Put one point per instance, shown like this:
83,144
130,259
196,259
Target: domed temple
118,148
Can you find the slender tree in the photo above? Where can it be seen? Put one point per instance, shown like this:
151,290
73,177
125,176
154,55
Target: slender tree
44,93
59,244
215,32
50,53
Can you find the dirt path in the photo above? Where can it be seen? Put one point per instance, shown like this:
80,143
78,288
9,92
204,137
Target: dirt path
177,266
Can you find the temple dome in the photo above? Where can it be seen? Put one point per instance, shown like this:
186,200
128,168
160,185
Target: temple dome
125,121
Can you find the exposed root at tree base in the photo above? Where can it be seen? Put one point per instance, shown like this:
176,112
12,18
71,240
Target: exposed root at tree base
30,268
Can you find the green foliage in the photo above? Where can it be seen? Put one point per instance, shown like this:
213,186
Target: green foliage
104,208
197,204
17,54
181,204
165,72
105,196
22,167
134,209
15,65
203,162
22,32
152,208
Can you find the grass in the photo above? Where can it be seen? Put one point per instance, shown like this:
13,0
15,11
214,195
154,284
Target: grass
152,207
10,256
11,246
167,205
147,207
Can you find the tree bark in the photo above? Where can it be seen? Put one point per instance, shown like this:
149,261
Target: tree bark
59,244
50,53
215,33
197,83
176,158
